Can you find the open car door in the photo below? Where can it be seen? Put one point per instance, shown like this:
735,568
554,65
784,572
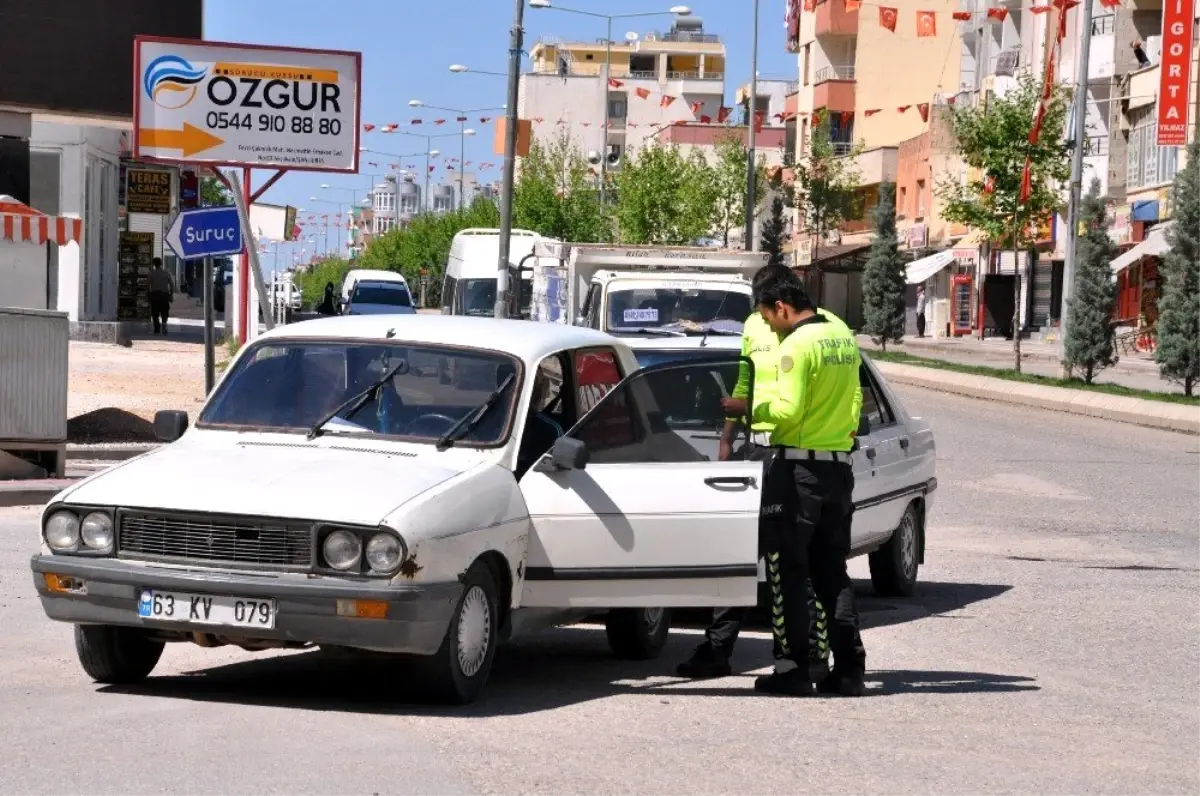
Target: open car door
632,508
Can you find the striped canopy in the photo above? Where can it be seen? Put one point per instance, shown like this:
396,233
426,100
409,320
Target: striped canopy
20,223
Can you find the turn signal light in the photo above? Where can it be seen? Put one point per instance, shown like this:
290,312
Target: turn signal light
63,584
363,609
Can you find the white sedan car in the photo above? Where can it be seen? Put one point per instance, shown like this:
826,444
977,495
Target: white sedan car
893,467
402,484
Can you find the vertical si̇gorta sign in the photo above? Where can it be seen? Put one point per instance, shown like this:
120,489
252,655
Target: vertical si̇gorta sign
244,105
1179,17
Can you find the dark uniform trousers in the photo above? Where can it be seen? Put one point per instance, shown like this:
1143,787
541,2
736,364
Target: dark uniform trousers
806,550
722,634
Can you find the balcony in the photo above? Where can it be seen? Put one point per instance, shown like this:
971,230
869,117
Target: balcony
827,73
876,166
1143,87
834,95
834,20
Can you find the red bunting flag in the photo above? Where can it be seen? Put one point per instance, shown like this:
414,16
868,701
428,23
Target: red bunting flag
484,119
872,111
666,101
449,168
614,83
887,18
415,121
723,114
923,109
387,128
460,118
989,184
926,24
903,108
853,5
643,93
997,14
705,120
758,121
1110,3
962,16
539,119
631,124
368,127
697,107
845,118
816,118
1039,9
439,121
431,168
586,124
951,100
372,163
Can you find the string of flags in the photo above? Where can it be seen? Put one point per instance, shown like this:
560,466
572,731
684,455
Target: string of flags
394,126
926,20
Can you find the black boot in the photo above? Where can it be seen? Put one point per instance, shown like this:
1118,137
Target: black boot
704,664
844,683
792,683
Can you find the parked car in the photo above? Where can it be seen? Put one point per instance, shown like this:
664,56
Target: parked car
893,466
380,298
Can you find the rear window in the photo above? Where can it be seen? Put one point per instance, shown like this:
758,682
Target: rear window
394,295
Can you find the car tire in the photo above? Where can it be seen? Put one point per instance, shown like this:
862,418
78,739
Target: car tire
457,672
116,655
894,566
637,633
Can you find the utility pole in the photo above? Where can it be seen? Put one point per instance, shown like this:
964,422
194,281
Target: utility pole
604,127
1079,134
751,118
510,156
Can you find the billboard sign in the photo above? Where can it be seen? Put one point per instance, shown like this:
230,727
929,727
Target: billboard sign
1179,18
148,191
243,105
208,232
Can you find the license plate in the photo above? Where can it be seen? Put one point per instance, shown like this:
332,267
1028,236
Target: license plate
206,609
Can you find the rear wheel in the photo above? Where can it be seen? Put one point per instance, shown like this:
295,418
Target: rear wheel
116,655
894,566
457,672
637,633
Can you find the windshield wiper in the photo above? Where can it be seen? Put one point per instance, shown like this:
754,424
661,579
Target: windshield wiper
654,330
356,401
472,418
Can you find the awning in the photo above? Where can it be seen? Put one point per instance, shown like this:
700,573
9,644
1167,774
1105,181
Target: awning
920,270
20,223
1155,245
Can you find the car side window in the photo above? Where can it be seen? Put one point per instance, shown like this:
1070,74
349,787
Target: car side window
591,307
671,413
596,372
448,295
875,405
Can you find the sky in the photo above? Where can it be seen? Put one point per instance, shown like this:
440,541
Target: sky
409,45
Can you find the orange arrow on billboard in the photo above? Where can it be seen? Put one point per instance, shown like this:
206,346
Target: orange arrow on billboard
188,141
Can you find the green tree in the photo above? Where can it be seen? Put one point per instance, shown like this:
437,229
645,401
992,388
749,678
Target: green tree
728,182
773,231
312,281
1178,350
213,193
555,195
1089,344
663,197
993,139
885,275
825,185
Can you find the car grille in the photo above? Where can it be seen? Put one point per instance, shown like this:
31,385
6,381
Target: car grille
213,541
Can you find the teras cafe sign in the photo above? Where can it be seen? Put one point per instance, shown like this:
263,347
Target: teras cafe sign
1179,17
243,105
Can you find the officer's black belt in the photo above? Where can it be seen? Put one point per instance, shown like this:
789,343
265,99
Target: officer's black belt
805,454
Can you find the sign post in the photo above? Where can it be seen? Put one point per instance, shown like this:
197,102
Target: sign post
1179,19
209,364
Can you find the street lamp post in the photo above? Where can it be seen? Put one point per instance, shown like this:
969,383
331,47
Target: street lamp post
338,205
353,194
679,11
463,132
428,154
751,123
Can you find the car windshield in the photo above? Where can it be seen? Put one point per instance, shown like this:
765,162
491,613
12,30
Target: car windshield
395,295
478,297
290,385
685,308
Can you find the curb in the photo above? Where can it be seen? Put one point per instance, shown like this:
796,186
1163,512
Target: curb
1118,408
31,493
1126,363
107,452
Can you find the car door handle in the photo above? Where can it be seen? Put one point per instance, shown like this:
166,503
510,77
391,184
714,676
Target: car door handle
904,443
870,452
730,480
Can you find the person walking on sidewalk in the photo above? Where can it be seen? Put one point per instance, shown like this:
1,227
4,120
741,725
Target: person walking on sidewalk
920,311
162,292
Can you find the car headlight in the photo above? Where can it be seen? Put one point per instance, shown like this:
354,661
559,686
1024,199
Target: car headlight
62,532
385,551
96,531
342,550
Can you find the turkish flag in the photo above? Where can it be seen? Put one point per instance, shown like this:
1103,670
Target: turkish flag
705,120
723,114
1042,9
853,5
962,16
415,121
614,83
998,14
926,24
666,101
758,122
431,168
643,93
484,119
887,18
845,118
697,107
872,111
368,127
903,108
439,121
461,119
1026,181
923,109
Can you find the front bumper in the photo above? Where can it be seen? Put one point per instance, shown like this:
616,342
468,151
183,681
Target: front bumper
416,622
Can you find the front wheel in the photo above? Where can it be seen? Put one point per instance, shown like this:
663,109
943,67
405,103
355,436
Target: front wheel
637,633
894,566
116,655
457,672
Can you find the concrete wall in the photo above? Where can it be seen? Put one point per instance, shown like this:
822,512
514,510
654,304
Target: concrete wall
23,275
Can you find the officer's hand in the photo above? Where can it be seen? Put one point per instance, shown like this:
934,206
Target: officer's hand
725,451
734,406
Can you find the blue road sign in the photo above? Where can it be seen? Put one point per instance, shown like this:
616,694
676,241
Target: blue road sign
208,232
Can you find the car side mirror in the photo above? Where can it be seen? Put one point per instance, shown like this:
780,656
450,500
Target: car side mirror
864,425
170,424
569,453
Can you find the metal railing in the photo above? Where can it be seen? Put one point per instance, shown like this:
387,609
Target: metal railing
1095,145
639,75
687,35
841,148
834,73
792,87
694,76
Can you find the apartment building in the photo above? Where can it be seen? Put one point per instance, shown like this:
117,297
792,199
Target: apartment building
650,82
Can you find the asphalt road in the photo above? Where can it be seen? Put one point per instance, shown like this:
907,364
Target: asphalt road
1052,647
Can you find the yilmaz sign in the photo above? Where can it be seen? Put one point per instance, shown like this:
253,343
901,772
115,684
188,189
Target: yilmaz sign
243,105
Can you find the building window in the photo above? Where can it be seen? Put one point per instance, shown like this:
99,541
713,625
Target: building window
920,198
1147,163
902,205
806,68
803,138
1102,26
618,105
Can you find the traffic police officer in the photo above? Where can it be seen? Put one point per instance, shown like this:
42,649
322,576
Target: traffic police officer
816,412
759,344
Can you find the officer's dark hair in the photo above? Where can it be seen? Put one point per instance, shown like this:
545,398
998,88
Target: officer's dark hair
767,272
786,289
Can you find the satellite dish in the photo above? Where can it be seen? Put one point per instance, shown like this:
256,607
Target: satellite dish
631,36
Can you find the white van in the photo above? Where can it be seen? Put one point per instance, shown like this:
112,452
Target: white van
369,275
470,284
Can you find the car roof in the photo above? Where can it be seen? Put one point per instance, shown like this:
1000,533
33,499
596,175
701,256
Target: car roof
388,284
374,274
528,340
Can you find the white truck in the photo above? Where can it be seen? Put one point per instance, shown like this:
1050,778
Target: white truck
642,291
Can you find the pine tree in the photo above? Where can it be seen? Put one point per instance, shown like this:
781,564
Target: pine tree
1089,345
1178,350
885,275
772,233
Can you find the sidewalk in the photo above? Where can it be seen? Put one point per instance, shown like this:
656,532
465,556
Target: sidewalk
1135,371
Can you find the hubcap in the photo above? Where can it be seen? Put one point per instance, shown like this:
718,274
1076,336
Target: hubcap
908,546
474,631
654,618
